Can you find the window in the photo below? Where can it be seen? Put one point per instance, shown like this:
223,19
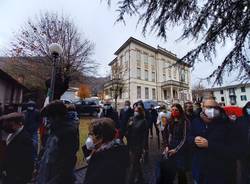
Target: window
146,93
243,98
138,92
146,59
153,67
138,58
164,77
221,92
231,91
153,94
182,75
153,76
175,72
138,55
243,89
138,73
169,72
146,75
165,94
222,99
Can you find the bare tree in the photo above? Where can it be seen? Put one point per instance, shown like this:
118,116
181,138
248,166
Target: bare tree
36,35
117,80
214,22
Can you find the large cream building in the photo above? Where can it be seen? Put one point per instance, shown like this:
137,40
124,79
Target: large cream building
149,73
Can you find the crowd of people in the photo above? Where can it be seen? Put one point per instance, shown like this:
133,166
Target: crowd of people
201,142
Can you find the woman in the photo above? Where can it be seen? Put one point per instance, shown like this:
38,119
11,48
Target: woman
137,132
109,159
176,133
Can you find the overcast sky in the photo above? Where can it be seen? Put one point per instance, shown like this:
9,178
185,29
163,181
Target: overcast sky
96,21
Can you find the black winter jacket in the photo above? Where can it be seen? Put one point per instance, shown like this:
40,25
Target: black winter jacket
108,166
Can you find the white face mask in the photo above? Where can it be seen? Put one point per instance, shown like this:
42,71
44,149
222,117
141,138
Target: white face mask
30,108
248,111
90,143
126,107
212,113
136,113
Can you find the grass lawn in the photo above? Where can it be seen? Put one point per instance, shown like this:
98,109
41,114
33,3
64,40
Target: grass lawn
84,125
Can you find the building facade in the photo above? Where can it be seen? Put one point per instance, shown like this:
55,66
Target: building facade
236,95
11,91
148,73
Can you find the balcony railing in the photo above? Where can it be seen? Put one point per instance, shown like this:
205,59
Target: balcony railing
175,83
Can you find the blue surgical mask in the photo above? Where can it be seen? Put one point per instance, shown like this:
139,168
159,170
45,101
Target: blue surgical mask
248,111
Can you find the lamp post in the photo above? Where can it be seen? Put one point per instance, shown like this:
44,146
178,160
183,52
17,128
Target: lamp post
55,50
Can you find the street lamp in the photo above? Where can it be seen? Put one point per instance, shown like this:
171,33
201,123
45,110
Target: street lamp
55,50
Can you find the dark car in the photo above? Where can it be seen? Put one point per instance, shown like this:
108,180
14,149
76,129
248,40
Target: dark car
89,107
147,104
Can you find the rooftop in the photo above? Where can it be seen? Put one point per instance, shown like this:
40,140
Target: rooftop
6,77
159,49
225,87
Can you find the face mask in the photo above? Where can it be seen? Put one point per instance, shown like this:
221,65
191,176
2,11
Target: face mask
248,111
136,113
89,143
107,107
126,107
212,113
30,108
175,114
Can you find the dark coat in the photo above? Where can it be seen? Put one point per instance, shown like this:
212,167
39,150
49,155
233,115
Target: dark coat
242,127
125,115
153,116
58,161
137,131
19,163
108,166
32,121
211,163
112,114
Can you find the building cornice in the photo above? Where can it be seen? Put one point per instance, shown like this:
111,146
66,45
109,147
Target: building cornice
156,50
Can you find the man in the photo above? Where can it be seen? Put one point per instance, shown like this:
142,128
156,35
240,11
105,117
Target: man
243,137
32,120
137,131
18,164
209,139
58,160
109,112
189,111
153,119
125,114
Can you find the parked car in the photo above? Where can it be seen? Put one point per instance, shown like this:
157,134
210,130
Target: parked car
147,104
89,107
66,101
